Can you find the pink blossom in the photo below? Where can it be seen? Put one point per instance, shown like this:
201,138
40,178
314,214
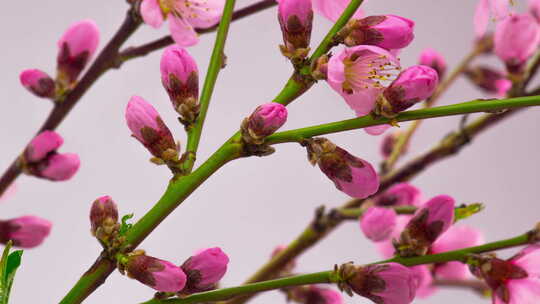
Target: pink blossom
184,17
402,194
423,281
295,18
457,237
147,126
60,167
496,9
265,120
205,269
332,9
433,59
378,223
75,49
42,145
387,31
179,76
534,8
386,249
103,215
38,83
413,85
377,130
360,73
389,283
350,174
158,274
490,80
25,231
516,39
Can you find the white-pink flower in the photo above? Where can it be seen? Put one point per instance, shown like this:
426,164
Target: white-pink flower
184,17
332,9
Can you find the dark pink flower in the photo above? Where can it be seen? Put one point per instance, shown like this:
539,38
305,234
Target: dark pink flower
25,231
43,145
60,167
295,18
184,17
516,39
378,223
433,59
38,83
386,31
350,174
158,274
205,269
402,194
265,120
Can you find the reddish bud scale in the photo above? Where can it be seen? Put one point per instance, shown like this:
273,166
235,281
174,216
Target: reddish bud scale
103,217
264,121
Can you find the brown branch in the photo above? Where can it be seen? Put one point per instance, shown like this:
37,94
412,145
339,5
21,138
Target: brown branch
145,49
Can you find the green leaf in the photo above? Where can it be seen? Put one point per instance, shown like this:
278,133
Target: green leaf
465,211
8,266
125,226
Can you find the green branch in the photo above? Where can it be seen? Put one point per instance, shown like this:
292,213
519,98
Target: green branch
474,106
329,276
217,62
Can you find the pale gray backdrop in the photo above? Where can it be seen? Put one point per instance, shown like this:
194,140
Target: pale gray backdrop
251,205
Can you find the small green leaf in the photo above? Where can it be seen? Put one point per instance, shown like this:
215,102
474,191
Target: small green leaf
8,266
125,226
465,211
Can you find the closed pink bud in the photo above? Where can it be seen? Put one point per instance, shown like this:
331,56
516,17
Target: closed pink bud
76,47
265,120
38,83
158,274
457,237
423,280
402,194
350,174
378,223
103,217
147,126
516,39
42,145
360,73
25,231
205,269
489,80
60,167
534,8
390,283
180,77
433,59
389,32
388,143
413,85
295,18
427,224
314,294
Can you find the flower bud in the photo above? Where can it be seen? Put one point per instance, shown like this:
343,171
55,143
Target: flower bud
60,167
296,19
390,283
205,269
76,47
25,231
389,32
388,143
413,85
103,218
534,9
378,223
427,224
158,274
43,145
148,127
350,174
38,83
516,39
433,59
180,77
402,194
265,120
489,80
313,294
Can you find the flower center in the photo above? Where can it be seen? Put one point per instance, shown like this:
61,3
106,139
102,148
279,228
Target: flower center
366,70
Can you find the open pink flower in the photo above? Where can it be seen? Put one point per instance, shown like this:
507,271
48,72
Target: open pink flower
360,73
457,237
25,231
350,174
184,17
332,9
486,9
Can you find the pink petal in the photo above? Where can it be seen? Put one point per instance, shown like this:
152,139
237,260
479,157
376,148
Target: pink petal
151,13
182,32
201,13
481,18
377,130
332,9
524,291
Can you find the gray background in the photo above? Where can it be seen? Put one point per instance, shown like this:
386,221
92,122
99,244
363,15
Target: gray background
251,205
